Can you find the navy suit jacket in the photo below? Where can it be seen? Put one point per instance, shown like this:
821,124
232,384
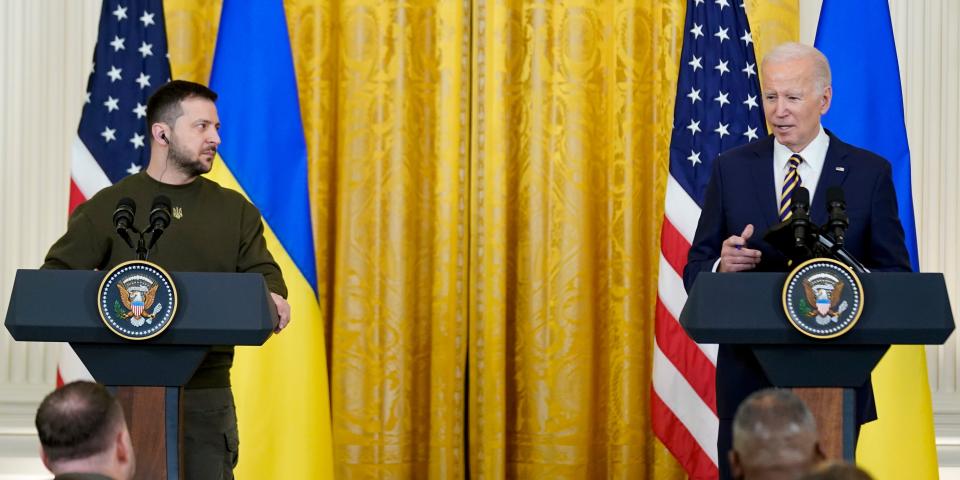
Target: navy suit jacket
742,191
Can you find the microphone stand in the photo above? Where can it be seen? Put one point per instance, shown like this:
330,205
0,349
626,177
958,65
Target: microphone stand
840,253
142,252
141,247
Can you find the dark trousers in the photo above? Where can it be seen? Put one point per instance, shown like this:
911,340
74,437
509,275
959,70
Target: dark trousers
210,440
724,445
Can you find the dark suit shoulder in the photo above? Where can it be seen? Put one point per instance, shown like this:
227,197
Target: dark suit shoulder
747,154
864,158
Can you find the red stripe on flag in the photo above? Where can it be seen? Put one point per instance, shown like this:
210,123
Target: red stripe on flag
673,246
76,196
684,353
674,435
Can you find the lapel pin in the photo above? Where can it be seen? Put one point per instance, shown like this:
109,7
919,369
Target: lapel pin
841,169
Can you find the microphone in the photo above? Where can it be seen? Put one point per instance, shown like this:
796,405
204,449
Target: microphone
123,217
800,219
838,220
159,218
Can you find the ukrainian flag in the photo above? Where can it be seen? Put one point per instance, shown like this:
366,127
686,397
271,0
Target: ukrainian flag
867,111
280,388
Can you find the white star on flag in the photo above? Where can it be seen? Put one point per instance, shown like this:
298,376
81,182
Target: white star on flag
750,69
143,80
722,129
751,102
145,49
722,3
134,168
694,157
722,67
722,34
108,134
117,43
147,19
694,95
747,38
695,63
722,99
120,13
137,142
141,110
751,133
114,74
697,30
111,104
694,127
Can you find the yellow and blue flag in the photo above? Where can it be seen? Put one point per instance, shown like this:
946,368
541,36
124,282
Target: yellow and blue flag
280,388
867,111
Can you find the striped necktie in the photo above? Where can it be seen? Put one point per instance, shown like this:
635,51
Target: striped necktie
790,183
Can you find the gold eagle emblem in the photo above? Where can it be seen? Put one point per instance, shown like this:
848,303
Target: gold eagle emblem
128,299
822,301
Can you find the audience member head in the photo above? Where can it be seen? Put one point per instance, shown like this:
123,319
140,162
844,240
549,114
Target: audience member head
774,437
82,430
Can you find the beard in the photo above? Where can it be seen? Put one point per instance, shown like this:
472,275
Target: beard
186,163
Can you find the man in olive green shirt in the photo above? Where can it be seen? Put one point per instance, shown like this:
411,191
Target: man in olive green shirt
83,434
213,229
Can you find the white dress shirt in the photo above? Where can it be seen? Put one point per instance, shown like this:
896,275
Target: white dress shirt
814,156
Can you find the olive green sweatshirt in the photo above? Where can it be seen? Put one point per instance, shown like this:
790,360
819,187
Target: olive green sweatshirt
212,229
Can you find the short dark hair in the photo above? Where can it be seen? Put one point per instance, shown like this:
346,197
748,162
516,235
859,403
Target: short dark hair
164,104
77,420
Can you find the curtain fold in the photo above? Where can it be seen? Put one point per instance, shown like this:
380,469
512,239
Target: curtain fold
568,173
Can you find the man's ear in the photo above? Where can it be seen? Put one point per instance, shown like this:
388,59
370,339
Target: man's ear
818,454
159,133
123,448
736,470
826,99
45,459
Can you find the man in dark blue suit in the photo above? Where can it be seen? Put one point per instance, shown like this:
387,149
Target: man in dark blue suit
749,187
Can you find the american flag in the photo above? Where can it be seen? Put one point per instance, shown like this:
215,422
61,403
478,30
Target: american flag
129,63
717,107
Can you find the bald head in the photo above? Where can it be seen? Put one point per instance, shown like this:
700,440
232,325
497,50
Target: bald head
774,436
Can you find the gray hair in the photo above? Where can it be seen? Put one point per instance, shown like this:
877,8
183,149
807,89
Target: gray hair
770,421
786,52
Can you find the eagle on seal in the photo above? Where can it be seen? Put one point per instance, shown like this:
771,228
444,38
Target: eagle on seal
138,303
822,301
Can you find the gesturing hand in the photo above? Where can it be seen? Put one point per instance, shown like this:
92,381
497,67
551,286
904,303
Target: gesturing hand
735,256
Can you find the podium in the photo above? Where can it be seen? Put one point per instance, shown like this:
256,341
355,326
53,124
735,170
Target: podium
746,309
214,309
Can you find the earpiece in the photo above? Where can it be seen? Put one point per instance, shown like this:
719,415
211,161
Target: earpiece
164,137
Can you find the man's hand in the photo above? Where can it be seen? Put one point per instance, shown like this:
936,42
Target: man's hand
735,256
283,312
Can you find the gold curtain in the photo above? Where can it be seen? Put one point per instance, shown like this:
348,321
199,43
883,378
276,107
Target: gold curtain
487,184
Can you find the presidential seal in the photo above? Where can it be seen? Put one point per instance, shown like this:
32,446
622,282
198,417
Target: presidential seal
137,300
823,298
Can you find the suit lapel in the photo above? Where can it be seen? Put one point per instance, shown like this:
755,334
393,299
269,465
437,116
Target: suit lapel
835,168
764,186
